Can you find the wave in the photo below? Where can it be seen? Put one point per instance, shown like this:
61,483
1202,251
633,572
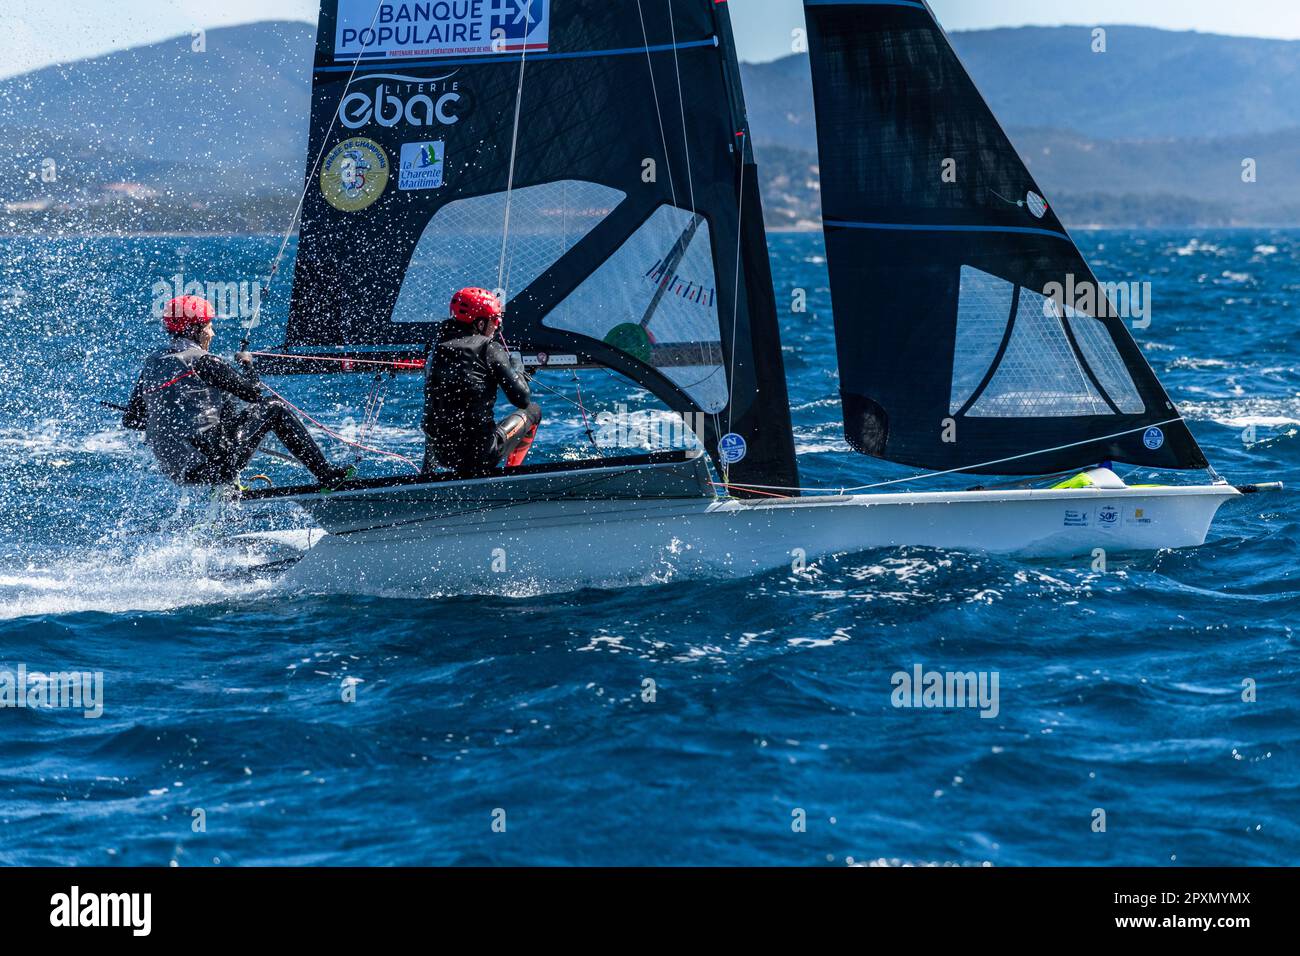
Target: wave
160,575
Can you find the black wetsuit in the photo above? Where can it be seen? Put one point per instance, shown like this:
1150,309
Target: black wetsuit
204,419
464,371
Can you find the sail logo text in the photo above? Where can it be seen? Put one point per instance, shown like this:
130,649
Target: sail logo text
674,282
66,690
1102,300
407,99
74,909
439,28
946,691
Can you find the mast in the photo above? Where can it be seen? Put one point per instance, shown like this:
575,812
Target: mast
770,434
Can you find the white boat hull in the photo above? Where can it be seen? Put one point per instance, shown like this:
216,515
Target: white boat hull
547,546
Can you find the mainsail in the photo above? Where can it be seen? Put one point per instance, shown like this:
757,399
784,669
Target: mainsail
958,346
589,159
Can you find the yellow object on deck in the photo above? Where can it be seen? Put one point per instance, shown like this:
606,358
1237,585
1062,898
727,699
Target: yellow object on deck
1081,480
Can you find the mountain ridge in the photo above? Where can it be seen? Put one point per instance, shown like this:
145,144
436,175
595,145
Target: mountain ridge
163,137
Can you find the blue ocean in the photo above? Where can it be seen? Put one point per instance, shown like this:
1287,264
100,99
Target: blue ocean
245,725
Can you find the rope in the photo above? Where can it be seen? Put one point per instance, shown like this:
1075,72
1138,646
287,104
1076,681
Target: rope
374,405
681,103
748,490
654,90
510,175
585,423
735,298
690,181
408,364
302,197
335,435
953,471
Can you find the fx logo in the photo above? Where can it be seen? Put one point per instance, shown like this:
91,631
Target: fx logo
516,19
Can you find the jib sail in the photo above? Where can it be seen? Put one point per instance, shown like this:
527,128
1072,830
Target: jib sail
971,333
588,159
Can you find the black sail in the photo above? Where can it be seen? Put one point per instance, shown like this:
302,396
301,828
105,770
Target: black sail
964,337
611,136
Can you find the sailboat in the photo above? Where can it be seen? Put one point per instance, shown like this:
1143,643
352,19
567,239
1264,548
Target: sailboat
595,157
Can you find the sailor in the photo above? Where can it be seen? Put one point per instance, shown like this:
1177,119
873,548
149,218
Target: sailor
203,417
465,369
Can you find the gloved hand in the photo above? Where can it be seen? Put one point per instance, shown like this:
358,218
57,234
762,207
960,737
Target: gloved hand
244,358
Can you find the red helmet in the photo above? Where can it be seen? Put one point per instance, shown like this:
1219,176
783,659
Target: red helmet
186,312
470,305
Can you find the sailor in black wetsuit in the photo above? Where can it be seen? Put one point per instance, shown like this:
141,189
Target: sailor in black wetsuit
202,417
464,371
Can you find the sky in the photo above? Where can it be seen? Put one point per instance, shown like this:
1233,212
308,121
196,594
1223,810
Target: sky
35,35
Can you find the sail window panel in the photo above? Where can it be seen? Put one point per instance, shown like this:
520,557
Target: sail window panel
1103,358
656,299
983,311
461,245
1039,376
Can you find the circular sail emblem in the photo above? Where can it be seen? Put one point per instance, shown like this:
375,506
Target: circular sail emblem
1154,438
632,338
731,448
354,174
1037,204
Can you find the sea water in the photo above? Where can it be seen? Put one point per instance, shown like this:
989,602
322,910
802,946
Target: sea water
1141,714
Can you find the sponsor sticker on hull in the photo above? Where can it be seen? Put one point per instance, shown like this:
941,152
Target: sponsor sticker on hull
1108,517
1078,517
1138,517
391,30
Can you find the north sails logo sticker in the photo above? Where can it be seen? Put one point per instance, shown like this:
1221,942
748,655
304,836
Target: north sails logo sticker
439,28
1154,438
732,448
421,166
355,174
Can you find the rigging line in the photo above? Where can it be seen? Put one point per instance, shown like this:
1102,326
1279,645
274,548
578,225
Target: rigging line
335,435
255,320
374,405
585,423
967,468
735,291
555,391
686,145
654,90
407,364
681,105
510,175
765,494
